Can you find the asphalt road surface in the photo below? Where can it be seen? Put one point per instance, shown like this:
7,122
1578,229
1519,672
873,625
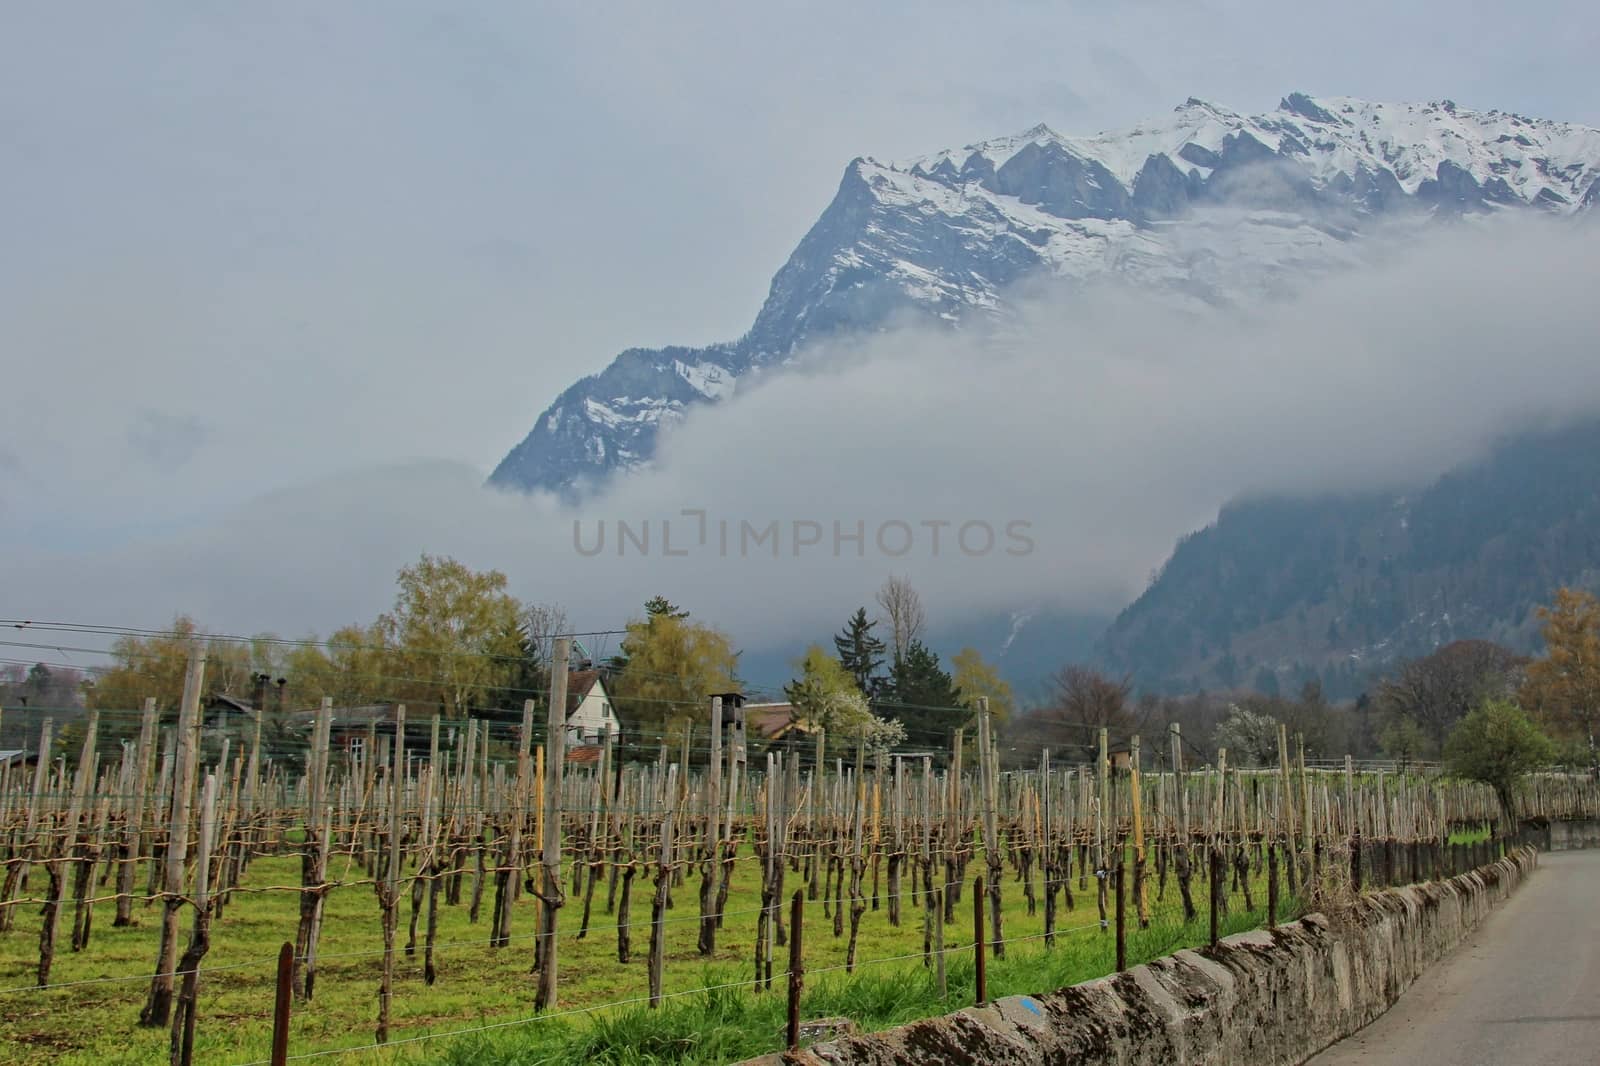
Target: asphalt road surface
1523,989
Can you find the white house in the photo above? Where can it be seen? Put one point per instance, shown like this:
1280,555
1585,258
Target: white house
590,713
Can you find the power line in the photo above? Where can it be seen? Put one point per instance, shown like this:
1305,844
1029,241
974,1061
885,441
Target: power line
265,638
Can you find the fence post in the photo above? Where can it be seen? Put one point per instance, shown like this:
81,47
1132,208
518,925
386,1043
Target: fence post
797,914
977,939
1355,862
1272,886
1122,911
280,1006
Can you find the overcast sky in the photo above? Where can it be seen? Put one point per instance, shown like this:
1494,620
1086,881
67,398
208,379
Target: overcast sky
248,249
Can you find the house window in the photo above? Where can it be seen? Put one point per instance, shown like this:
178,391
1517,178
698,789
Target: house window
605,710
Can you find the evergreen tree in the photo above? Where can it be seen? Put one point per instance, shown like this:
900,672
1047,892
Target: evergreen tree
524,677
924,696
661,607
861,653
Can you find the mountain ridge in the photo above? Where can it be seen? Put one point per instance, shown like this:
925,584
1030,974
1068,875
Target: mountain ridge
946,235
1280,590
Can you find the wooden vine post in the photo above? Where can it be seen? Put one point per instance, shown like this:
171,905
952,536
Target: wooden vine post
858,904
158,1005
989,780
551,896
388,884
133,827
1102,817
1141,899
712,847
17,872
183,1021
62,852
314,853
658,908
1286,805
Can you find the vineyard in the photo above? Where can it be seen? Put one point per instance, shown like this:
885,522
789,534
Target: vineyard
462,890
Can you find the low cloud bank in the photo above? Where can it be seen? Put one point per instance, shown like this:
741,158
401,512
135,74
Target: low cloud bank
1048,459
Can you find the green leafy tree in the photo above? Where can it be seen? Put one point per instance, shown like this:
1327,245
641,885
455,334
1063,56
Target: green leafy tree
453,632
860,652
1402,740
670,668
352,668
1497,744
974,678
825,696
155,665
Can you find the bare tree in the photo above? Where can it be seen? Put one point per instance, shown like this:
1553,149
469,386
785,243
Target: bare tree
902,609
543,622
1438,690
1082,701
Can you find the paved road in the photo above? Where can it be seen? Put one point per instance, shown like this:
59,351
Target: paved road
1524,989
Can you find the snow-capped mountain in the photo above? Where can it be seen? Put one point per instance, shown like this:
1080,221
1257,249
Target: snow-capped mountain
1205,204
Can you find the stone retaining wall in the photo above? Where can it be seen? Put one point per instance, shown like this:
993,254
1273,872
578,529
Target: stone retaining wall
1259,997
1574,834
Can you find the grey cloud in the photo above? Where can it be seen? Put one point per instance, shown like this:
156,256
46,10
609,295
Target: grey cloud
1109,422
368,235
166,441
1122,70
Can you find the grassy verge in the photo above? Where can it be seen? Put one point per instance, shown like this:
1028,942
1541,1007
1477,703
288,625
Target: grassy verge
727,1025
95,1023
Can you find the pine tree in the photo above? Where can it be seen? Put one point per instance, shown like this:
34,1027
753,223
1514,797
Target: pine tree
524,675
661,607
861,653
924,696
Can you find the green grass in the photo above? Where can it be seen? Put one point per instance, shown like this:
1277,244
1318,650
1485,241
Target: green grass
1473,835
97,1023
729,1025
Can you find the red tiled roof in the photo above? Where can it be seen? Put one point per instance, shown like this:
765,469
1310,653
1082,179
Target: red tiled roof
771,720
